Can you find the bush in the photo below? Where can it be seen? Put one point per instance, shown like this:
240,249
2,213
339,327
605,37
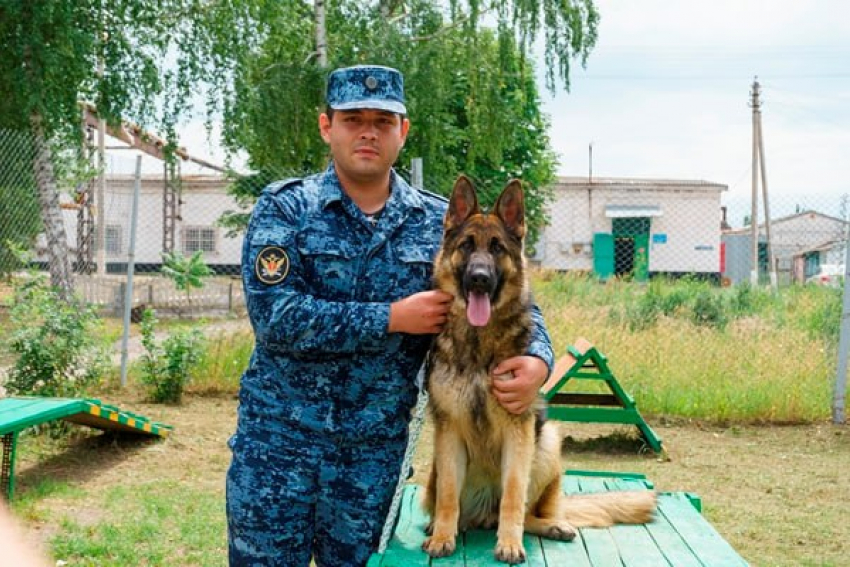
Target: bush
166,367
54,340
708,310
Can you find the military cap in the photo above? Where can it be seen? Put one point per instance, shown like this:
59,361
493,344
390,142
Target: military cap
366,86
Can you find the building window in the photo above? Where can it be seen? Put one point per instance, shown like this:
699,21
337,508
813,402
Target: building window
114,236
198,238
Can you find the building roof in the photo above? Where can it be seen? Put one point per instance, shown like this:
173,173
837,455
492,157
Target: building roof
822,247
633,183
786,218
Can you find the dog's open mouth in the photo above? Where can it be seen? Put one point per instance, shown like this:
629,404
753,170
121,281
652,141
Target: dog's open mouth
478,308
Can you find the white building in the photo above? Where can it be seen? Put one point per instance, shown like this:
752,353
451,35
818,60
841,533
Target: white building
640,227
203,199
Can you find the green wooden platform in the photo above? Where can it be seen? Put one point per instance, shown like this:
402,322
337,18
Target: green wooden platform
19,413
679,536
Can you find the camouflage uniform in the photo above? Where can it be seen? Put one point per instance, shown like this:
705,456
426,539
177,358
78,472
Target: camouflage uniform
325,401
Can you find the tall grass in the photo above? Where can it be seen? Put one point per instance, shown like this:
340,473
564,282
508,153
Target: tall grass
222,363
687,349
683,349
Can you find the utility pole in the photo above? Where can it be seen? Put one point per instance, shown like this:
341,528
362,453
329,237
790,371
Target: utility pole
760,166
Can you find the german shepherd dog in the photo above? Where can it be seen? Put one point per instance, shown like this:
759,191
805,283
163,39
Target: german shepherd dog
492,468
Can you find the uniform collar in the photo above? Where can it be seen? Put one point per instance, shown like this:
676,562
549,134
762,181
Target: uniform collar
401,194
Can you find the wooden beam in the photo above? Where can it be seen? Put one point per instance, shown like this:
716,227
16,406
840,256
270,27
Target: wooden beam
136,137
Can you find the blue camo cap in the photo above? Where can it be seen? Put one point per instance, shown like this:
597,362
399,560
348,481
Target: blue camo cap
366,86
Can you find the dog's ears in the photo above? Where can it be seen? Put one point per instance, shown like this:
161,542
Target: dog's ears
463,203
511,209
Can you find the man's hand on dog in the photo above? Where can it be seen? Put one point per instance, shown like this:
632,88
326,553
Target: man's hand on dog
518,393
422,313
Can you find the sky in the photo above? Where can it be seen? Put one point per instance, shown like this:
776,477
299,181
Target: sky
666,94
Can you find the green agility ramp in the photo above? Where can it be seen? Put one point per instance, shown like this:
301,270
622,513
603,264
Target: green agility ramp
678,536
583,361
19,413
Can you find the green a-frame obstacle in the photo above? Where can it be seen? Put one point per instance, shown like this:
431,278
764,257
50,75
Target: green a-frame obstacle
583,361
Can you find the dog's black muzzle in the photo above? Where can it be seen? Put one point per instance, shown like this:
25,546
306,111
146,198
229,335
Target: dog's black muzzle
480,275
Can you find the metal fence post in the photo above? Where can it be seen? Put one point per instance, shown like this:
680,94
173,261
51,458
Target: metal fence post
840,390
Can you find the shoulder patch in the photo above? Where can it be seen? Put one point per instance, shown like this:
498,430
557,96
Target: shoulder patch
278,186
272,265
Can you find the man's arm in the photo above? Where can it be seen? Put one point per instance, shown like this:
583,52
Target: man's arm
287,318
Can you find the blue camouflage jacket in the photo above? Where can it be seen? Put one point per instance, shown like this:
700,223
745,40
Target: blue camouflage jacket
319,279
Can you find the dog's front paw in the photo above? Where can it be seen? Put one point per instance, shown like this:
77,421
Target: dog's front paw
510,552
439,546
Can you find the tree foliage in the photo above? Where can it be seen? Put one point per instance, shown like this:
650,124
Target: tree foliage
133,59
471,91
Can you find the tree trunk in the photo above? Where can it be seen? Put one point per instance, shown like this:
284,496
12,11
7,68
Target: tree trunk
61,276
321,34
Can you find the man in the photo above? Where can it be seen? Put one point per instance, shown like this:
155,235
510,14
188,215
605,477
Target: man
336,269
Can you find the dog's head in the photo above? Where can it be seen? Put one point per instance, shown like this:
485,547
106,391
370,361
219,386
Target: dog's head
482,252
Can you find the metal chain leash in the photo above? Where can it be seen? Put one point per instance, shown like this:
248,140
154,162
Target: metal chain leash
415,430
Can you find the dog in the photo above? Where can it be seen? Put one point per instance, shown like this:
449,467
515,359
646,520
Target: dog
491,468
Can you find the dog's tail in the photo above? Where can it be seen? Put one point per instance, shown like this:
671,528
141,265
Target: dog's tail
609,508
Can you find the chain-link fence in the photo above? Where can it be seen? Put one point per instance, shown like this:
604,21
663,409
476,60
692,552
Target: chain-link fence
177,213
627,228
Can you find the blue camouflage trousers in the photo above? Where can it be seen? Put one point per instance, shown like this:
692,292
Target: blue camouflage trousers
293,494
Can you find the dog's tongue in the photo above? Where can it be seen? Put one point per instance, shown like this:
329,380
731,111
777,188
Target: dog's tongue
478,309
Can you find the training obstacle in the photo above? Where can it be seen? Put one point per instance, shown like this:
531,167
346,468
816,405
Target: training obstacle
678,536
583,361
19,413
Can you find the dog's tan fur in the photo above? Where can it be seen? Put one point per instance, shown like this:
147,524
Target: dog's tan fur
494,469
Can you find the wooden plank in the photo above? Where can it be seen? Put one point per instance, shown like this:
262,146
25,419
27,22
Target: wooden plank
595,415
636,546
581,398
601,548
478,549
564,364
666,539
405,547
565,553
675,549
698,534
17,414
121,422
20,413
533,550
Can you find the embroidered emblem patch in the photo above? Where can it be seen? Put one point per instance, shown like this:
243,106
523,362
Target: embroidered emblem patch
272,265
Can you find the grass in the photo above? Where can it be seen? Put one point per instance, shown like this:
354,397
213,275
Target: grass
682,349
147,524
751,357
736,381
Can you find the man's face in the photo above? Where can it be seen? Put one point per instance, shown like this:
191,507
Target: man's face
364,143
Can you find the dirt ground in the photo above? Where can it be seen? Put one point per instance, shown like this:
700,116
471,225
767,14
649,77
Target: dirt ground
777,494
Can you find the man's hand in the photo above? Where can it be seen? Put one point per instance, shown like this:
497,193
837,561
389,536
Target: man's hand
517,393
422,313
